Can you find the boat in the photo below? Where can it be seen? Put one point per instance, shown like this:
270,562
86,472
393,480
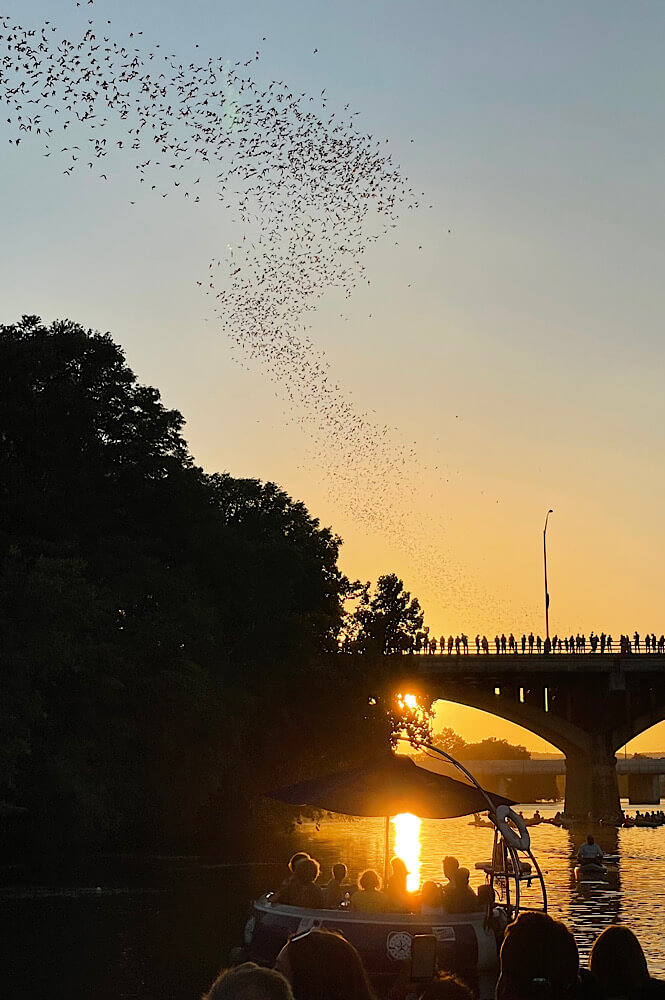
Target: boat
589,871
464,944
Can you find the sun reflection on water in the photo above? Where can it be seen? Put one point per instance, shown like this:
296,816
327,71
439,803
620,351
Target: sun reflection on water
407,846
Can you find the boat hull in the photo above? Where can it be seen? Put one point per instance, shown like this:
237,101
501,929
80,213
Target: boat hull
464,946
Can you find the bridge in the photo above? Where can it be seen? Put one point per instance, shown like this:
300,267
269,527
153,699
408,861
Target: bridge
588,705
642,773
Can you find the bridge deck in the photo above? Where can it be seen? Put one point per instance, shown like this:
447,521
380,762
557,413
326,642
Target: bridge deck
520,663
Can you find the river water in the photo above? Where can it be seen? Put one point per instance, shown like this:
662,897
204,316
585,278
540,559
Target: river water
160,928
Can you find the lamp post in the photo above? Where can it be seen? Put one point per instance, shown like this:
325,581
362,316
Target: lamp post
547,596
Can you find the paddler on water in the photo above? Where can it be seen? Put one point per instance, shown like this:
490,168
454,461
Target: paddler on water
590,853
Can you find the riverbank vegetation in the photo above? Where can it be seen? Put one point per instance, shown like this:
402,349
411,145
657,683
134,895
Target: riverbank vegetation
521,787
165,634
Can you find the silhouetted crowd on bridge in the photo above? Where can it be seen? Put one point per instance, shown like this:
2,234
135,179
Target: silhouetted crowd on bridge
534,644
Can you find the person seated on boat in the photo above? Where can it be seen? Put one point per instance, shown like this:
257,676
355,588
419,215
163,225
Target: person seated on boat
369,898
450,869
538,958
445,986
590,853
335,891
458,896
293,862
398,895
431,900
249,982
323,965
537,817
300,890
618,963
496,918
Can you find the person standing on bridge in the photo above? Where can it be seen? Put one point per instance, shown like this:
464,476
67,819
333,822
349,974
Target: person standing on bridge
531,642
523,643
503,642
477,645
497,643
590,853
539,643
485,644
636,637
511,643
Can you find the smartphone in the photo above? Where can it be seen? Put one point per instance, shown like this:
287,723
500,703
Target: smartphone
423,956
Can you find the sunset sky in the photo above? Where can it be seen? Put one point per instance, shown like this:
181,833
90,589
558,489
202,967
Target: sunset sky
512,338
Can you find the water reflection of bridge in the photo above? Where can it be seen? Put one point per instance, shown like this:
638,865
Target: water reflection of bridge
587,705
642,774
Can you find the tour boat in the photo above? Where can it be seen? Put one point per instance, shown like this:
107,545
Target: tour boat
465,943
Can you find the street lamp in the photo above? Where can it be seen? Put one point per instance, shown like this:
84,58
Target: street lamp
547,596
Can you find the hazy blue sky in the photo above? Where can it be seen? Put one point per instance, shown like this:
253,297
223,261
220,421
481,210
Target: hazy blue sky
525,358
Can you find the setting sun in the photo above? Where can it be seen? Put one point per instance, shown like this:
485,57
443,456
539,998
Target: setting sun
407,846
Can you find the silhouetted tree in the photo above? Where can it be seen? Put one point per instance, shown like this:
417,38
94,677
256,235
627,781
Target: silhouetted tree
161,630
388,620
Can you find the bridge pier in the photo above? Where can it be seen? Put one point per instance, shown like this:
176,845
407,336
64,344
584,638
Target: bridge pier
592,786
644,789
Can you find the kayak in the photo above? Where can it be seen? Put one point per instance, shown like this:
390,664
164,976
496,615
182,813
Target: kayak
590,870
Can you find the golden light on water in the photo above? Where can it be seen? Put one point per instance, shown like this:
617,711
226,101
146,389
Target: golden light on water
407,846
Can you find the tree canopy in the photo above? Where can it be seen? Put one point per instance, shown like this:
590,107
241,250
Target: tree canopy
386,620
162,631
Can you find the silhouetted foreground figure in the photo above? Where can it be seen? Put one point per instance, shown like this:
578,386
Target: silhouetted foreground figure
539,961
446,987
322,965
618,964
249,982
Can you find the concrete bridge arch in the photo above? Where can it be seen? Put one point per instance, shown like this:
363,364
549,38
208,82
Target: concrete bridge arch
587,705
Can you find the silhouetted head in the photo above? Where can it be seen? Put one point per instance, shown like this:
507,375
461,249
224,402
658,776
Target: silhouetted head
446,987
398,867
296,859
589,839
322,965
339,872
369,880
307,870
617,962
539,959
430,895
450,867
462,876
249,982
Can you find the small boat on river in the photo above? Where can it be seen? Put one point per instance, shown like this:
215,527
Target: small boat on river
584,873
465,943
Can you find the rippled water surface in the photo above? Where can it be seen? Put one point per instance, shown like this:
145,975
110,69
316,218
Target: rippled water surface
160,928
632,892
